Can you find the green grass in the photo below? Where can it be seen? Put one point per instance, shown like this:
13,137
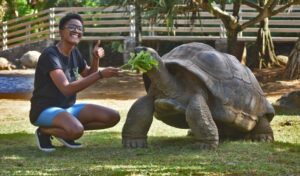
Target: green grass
169,153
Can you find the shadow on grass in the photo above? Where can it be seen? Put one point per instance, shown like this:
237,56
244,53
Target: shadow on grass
291,112
103,153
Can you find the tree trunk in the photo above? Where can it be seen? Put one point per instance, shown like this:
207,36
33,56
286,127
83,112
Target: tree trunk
235,47
232,29
266,52
292,70
138,24
231,41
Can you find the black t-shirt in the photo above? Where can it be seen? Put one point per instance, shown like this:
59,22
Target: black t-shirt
45,93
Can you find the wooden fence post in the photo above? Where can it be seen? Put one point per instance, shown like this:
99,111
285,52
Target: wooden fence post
132,20
52,23
4,36
151,27
130,42
223,31
28,32
240,34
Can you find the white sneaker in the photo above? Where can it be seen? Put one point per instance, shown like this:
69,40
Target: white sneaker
69,143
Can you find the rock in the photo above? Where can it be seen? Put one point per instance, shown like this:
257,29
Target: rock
30,59
5,64
289,102
282,59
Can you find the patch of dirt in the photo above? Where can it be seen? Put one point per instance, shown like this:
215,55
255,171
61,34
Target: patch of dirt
273,83
126,86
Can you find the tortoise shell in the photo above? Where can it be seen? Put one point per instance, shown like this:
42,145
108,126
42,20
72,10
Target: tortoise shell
230,83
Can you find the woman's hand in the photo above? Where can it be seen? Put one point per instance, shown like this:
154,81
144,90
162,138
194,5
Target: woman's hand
98,52
109,72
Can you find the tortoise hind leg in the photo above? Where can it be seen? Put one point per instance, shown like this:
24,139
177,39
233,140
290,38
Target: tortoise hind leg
261,132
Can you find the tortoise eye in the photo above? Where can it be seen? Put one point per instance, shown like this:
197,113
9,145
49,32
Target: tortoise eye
139,49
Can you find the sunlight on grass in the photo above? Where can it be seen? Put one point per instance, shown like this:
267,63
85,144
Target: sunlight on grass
146,169
13,157
286,128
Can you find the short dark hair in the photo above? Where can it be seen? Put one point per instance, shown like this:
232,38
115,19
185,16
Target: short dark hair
67,18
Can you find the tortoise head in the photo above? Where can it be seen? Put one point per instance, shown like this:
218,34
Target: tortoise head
153,53
160,77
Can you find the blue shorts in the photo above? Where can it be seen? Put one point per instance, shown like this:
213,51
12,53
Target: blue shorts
46,117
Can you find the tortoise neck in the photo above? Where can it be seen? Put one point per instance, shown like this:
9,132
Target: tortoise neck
163,80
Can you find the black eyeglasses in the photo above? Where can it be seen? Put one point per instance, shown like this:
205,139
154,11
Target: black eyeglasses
73,28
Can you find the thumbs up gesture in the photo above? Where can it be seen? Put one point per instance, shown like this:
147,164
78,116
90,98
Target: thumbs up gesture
98,52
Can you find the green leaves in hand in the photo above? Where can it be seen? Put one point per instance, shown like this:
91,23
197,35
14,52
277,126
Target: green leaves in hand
142,62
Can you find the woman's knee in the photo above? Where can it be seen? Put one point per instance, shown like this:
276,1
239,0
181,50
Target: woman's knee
115,118
75,131
72,127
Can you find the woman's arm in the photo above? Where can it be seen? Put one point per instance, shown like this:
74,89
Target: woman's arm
68,88
98,52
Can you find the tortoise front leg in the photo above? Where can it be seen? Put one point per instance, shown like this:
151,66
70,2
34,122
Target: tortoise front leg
138,122
262,131
200,121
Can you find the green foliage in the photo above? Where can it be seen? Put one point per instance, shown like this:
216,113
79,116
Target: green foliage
16,8
117,46
10,9
80,3
142,62
164,9
22,8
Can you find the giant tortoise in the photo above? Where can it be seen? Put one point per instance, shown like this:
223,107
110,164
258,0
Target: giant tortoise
199,88
5,64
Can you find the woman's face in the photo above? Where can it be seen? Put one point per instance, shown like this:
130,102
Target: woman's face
72,32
